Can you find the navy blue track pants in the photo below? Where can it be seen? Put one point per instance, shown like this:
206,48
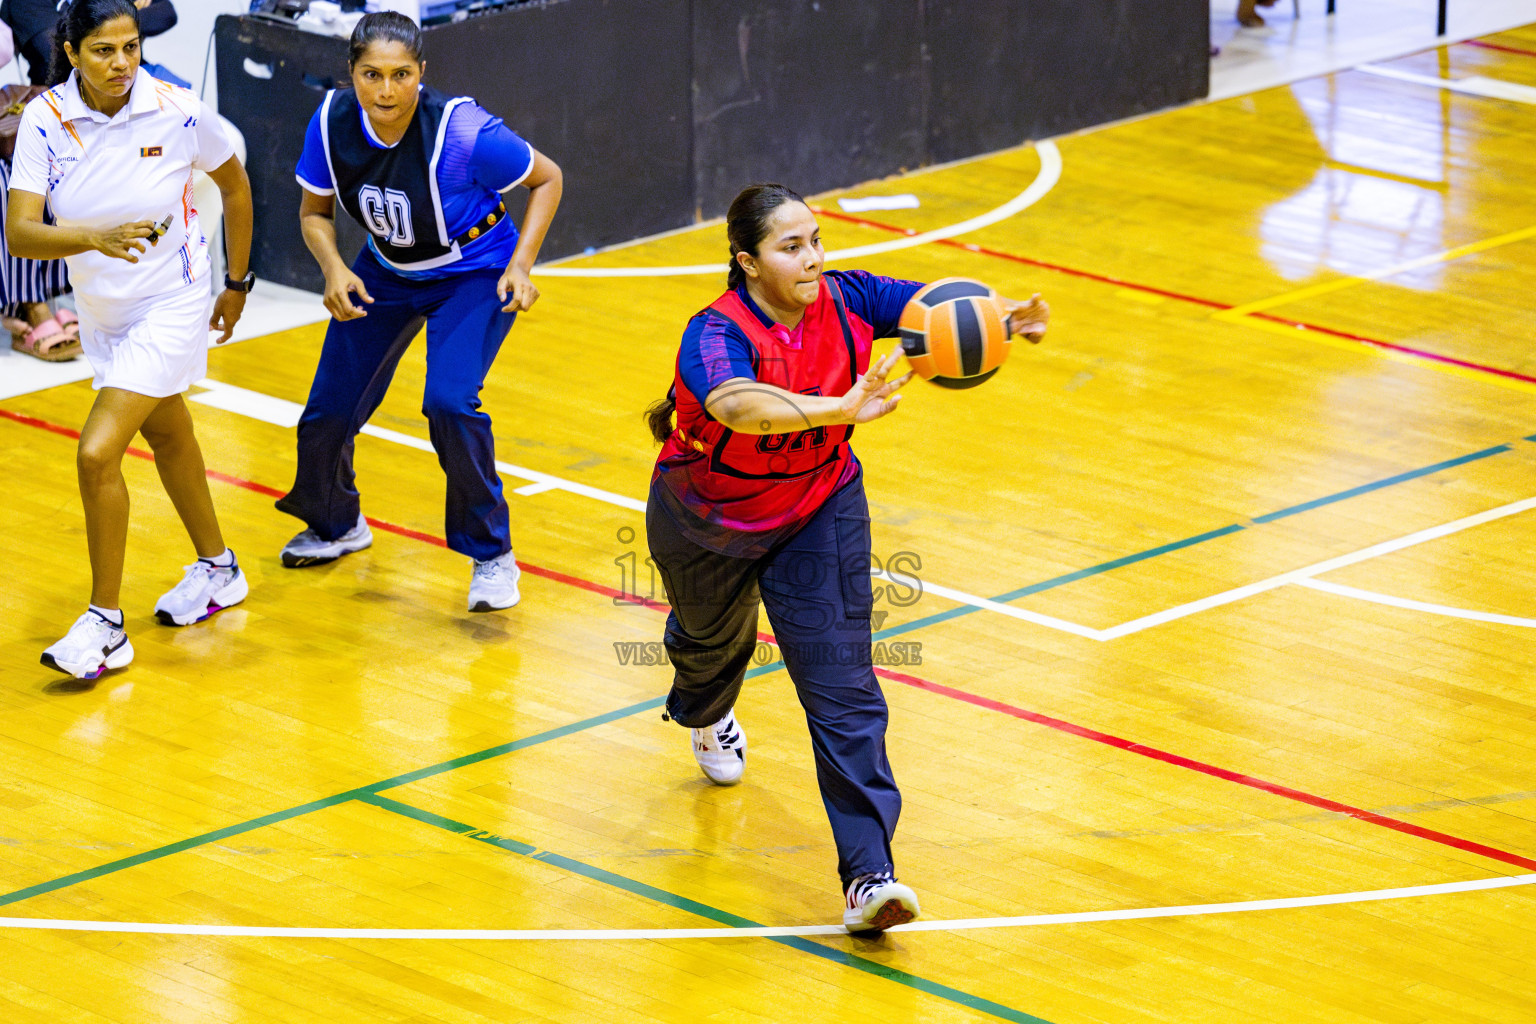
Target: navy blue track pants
816,588
465,329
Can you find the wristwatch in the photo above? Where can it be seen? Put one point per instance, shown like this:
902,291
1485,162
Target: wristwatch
244,285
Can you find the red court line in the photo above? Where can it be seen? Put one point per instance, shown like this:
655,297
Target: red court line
378,524
1419,352
1496,46
1183,297
1221,773
923,684
1027,261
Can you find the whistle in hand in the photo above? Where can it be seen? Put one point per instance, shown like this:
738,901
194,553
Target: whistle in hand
159,229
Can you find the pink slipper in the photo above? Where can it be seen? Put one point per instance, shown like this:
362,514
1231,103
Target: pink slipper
48,341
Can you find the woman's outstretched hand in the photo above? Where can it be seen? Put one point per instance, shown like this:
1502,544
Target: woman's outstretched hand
872,396
1028,318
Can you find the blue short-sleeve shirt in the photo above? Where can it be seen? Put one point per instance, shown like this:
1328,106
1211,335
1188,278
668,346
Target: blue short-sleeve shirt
714,350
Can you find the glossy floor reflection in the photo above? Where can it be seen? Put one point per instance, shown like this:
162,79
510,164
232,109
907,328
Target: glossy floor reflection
1213,702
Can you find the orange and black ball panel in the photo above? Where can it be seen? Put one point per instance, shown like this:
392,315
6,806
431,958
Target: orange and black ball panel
953,332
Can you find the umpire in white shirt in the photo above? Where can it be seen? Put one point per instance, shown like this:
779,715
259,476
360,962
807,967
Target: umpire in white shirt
110,151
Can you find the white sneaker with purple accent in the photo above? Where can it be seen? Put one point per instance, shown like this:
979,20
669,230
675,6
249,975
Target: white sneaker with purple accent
205,589
91,646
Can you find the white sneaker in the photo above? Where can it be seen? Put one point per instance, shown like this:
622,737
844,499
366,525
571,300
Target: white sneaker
91,646
308,548
494,584
721,750
877,902
205,589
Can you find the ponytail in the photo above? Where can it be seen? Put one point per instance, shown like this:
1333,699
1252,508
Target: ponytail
58,61
659,417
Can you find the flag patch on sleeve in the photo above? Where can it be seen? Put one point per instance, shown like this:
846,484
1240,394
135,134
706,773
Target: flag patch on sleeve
150,151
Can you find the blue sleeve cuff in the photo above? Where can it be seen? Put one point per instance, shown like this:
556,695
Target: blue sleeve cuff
313,171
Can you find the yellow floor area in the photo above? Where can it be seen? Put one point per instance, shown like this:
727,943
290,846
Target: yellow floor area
1226,596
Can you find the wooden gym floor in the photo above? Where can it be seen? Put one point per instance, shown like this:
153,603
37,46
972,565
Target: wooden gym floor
1216,704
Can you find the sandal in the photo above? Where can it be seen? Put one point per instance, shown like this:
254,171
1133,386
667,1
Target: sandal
48,341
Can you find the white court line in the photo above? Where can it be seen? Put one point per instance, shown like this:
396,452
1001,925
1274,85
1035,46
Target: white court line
629,934
283,413
286,414
1296,575
1050,174
1417,606
1299,576
961,597
1472,85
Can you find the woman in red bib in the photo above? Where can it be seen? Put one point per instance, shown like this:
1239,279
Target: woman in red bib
757,496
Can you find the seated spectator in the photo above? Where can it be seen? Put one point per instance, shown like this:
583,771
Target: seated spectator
27,285
31,23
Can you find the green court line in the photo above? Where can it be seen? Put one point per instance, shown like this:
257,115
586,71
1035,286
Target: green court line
638,888
773,666
330,801
1201,538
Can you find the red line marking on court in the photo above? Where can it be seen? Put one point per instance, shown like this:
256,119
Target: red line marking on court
379,524
1392,346
1501,48
1027,261
1221,773
1195,299
250,485
988,703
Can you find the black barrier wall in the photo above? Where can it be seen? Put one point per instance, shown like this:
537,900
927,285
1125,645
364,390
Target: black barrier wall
812,94
601,86
658,111
1001,71
271,79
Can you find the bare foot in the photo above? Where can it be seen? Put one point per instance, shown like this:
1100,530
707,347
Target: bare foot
34,312
1247,16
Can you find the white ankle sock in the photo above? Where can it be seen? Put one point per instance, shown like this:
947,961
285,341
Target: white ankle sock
223,561
112,615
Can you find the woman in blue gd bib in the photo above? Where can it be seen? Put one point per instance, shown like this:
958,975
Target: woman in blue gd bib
425,174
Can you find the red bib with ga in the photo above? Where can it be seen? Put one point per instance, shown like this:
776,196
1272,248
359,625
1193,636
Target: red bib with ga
757,482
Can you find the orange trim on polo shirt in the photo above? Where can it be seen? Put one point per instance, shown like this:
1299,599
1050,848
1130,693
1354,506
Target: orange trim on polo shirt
48,98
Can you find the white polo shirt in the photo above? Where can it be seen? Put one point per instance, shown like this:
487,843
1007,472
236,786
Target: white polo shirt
99,172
